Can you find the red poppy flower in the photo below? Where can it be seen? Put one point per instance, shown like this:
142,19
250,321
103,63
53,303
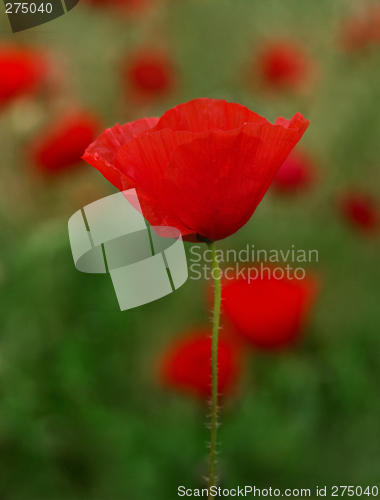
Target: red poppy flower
284,65
202,168
363,30
22,71
149,73
268,312
360,210
355,36
295,174
186,365
128,5
64,143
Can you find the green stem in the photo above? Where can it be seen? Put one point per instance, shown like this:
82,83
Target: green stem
212,479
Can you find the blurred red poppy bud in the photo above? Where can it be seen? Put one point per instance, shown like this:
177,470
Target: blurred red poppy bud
270,311
22,71
62,145
362,30
295,174
355,36
186,365
284,65
149,74
360,210
203,167
130,6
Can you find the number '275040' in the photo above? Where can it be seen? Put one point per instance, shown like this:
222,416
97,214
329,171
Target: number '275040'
26,8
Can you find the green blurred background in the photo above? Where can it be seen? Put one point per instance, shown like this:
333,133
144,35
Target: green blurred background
82,416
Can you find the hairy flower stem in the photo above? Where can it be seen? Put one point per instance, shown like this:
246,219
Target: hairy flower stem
214,366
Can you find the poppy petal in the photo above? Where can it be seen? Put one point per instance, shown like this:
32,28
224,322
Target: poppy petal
202,115
102,152
277,142
144,160
156,214
227,174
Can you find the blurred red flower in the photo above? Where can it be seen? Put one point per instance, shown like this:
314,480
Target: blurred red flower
186,365
149,74
295,174
284,65
62,145
22,71
131,6
268,312
360,210
362,30
202,168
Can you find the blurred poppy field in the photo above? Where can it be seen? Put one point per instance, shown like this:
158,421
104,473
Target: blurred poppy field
96,403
